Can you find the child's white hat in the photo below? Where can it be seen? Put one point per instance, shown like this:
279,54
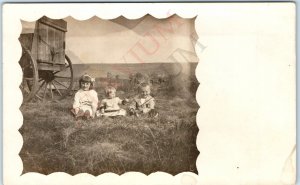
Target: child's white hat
86,78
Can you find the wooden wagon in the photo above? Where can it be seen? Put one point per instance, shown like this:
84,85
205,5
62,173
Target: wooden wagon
47,70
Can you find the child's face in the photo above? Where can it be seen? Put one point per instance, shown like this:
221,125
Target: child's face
85,86
146,91
111,94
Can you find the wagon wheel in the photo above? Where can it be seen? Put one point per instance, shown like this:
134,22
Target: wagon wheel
55,85
29,67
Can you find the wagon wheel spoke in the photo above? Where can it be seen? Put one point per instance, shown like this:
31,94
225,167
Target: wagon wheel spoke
40,87
45,91
27,91
39,94
56,72
58,91
37,83
65,77
50,85
24,89
66,67
38,97
60,83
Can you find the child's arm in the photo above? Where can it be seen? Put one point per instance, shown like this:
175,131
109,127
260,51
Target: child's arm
76,103
123,102
94,102
102,106
151,103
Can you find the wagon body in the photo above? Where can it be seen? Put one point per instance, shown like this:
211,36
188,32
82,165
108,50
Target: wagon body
47,43
44,60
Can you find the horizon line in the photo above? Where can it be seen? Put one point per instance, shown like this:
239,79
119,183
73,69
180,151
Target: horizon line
139,63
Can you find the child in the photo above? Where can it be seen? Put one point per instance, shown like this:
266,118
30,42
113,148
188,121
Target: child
86,99
144,104
110,105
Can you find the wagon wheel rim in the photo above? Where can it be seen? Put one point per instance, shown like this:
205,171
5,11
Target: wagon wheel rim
29,82
56,85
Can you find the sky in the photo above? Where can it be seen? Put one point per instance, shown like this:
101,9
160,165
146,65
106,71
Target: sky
120,40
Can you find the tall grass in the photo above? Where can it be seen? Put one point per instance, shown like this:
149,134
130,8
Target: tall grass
55,142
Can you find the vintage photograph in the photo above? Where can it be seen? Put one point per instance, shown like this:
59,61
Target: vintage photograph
149,93
115,95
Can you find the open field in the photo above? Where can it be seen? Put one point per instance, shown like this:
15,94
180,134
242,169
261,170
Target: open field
123,70
54,141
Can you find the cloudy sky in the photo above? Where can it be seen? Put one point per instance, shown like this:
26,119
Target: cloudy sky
120,40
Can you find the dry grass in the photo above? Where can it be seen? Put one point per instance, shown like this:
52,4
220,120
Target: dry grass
54,141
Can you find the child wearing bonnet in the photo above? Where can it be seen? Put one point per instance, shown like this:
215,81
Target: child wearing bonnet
86,99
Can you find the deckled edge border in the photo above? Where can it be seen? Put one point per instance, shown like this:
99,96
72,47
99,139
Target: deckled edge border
55,14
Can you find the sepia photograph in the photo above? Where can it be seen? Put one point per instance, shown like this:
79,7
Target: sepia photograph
149,93
114,95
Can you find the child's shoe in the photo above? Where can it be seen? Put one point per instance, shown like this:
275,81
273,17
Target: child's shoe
131,112
79,114
87,115
153,113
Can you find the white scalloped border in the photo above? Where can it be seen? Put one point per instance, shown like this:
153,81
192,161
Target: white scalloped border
31,12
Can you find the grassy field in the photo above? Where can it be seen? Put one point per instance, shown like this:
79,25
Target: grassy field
55,142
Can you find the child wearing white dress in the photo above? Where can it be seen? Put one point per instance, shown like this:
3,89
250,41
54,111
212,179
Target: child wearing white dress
110,105
86,99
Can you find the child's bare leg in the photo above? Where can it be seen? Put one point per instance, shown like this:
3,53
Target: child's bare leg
75,111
